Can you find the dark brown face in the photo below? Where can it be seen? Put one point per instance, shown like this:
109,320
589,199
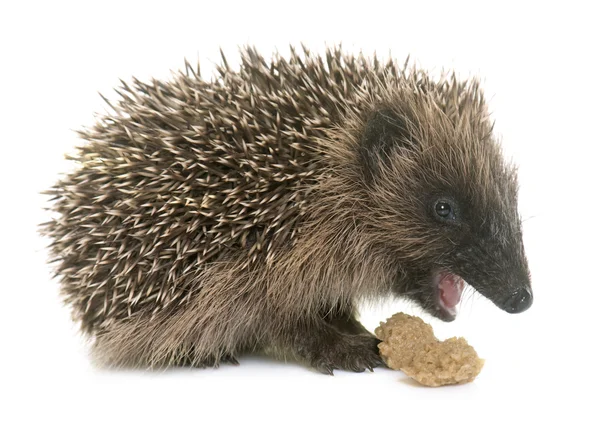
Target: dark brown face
451,217
472,243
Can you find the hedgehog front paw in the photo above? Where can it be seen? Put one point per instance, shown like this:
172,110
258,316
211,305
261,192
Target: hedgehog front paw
348,352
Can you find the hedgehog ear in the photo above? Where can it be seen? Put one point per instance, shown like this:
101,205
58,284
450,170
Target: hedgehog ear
385,131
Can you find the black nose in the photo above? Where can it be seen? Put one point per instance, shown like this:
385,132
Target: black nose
519,301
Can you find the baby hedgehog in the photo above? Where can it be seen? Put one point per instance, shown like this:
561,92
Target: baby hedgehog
253,212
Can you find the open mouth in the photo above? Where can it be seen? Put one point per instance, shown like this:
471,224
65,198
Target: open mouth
448,290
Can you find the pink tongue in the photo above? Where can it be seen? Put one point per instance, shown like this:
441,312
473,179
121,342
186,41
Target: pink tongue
451,287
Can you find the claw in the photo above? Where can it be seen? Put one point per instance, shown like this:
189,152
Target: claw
326,370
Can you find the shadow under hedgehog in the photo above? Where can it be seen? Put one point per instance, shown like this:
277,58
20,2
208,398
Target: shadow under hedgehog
252,212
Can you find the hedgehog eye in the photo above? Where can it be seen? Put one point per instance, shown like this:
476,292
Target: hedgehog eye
444,210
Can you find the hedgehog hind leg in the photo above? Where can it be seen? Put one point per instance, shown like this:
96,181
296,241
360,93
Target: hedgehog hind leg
157,344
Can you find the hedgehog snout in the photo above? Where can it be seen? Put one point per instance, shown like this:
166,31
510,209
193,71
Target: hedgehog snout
518,301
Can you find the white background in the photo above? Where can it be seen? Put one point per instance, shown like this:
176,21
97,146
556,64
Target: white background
539,65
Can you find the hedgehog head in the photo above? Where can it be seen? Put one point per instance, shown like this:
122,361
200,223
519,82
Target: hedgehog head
442,201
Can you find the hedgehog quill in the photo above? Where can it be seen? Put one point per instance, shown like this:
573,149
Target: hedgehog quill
206,219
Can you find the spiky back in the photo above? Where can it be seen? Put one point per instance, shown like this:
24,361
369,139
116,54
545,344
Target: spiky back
189,172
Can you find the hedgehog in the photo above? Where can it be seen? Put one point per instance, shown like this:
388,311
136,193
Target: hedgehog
254,212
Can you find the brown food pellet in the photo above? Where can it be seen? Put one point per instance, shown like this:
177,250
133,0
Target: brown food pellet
408,344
